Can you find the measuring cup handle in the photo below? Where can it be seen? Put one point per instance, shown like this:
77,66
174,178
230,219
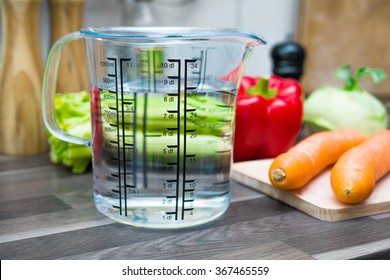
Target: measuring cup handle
49,91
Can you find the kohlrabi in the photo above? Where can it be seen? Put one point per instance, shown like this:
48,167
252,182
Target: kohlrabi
331,108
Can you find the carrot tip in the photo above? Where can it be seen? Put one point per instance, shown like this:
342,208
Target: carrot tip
279,175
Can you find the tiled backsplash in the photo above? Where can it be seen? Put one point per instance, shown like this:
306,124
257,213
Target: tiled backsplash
273,19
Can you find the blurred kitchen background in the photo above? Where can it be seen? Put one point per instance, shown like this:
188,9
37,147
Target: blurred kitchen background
333,32
273,19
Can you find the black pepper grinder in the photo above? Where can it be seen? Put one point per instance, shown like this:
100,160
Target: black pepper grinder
288,59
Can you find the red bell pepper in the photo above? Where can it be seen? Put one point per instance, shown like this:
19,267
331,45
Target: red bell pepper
268,117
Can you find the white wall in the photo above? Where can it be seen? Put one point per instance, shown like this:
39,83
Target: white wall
274,19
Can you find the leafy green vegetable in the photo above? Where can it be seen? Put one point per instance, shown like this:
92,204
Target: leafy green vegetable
352,83
331,108
210,120
72,111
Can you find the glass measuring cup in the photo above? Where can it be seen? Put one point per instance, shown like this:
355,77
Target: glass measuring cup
162,107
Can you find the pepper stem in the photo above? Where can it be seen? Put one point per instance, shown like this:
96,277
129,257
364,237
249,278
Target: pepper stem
261,88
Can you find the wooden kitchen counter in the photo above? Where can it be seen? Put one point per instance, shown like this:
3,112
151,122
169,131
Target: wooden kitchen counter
48,213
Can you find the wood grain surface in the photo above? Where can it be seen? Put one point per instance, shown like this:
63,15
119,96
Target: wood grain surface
66,16
316,198
339,32
48,213
21,123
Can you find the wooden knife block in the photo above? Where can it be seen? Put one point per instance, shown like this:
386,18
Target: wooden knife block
22,131
67,17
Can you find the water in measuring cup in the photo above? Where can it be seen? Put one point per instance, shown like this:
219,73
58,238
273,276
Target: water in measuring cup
162,159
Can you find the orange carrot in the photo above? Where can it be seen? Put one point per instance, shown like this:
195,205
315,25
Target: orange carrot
296,167
355,174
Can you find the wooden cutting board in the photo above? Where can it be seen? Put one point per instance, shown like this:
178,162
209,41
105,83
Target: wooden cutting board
316,198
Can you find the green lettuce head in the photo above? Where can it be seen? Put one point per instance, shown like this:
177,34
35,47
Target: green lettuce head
73,114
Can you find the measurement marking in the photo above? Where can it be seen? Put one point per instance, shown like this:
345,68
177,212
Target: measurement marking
224,121
172,111
172,94
114,142
189,190
127,102
190,110
127,136
171,196
224,106
113,108
188,209
189,200
189,181
117,121
189,156
172,163
172,128
114,125
191,88
134,139
204,65
110,91
186,87
173,77
129,186
118,207
115,191
152,135
191,130
144,130
178,61
114,175
124,144
172,146
170,213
